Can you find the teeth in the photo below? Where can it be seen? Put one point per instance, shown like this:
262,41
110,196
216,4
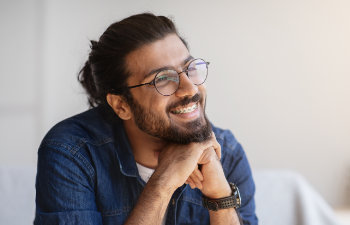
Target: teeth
186,110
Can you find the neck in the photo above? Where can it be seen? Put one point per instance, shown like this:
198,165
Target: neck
145,147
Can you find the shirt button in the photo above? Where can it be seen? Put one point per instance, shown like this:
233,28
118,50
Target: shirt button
173,201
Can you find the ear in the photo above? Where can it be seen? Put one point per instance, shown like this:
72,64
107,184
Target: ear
119,106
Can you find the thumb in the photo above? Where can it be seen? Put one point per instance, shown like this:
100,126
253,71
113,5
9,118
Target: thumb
216,145
207,156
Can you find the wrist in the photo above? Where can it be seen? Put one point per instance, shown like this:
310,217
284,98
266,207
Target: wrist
162,183
232,201
215,183
223,192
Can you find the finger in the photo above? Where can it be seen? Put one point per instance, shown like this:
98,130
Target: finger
218,151
216,145
196,181
206,157
198,174
189,180
191,183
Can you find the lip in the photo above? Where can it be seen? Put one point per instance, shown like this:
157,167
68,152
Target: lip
179,108
187,116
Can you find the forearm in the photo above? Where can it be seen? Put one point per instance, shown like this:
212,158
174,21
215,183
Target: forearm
151,205
224,217
215,186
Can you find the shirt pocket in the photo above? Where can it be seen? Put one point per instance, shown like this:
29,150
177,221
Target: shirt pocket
116,217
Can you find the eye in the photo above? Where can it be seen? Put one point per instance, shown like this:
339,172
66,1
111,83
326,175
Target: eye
162,78
191,69
166,78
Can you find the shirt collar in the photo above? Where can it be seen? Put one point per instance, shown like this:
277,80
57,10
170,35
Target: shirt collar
125,156
122,146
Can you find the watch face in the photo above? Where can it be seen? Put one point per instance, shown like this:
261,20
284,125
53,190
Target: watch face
236,194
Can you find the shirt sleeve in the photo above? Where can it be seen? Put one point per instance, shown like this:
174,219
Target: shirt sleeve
64,187
237,170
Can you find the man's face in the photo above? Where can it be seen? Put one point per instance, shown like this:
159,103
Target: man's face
178,118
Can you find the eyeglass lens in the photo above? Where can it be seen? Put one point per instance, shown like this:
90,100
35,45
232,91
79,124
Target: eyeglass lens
167,81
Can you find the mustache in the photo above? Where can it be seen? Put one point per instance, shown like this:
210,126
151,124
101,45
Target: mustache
186,101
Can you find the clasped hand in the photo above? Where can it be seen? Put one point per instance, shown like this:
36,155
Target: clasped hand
178,164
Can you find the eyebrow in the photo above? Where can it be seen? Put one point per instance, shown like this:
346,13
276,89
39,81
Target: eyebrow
167,67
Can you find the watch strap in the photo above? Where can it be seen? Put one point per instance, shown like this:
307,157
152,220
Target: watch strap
232,201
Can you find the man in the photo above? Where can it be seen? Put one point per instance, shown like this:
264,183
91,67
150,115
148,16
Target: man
146,152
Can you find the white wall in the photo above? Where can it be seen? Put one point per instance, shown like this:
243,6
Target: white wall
19,81
279,75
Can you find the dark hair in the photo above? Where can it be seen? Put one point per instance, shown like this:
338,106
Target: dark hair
105,70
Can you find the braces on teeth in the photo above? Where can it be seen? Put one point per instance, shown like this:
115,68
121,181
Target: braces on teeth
186,110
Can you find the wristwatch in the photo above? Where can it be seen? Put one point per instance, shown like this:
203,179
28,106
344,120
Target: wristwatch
233,201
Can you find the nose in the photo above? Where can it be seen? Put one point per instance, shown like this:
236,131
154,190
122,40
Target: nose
186,86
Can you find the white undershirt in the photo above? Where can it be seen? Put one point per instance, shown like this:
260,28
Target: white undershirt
145,174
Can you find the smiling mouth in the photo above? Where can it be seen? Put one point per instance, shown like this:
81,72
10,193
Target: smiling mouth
182,110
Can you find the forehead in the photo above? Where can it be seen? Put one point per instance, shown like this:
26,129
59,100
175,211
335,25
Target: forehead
167,52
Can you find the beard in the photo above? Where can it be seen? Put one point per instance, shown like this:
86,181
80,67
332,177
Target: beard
148,121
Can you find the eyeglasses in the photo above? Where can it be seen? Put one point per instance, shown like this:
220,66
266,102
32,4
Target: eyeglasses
167,82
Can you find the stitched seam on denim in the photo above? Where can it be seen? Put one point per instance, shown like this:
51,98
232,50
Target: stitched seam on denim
191,200
88,165
116,212
59,144
75,154
99,142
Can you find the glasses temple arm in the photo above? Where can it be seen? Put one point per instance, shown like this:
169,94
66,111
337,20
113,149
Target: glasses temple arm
139,85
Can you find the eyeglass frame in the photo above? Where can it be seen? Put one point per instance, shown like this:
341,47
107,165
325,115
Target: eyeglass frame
178,73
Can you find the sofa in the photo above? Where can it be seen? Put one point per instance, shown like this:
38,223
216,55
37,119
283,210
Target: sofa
282,198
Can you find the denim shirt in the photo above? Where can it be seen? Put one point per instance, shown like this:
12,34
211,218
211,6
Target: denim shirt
87,175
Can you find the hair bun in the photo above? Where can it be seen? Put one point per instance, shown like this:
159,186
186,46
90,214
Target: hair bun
93,44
